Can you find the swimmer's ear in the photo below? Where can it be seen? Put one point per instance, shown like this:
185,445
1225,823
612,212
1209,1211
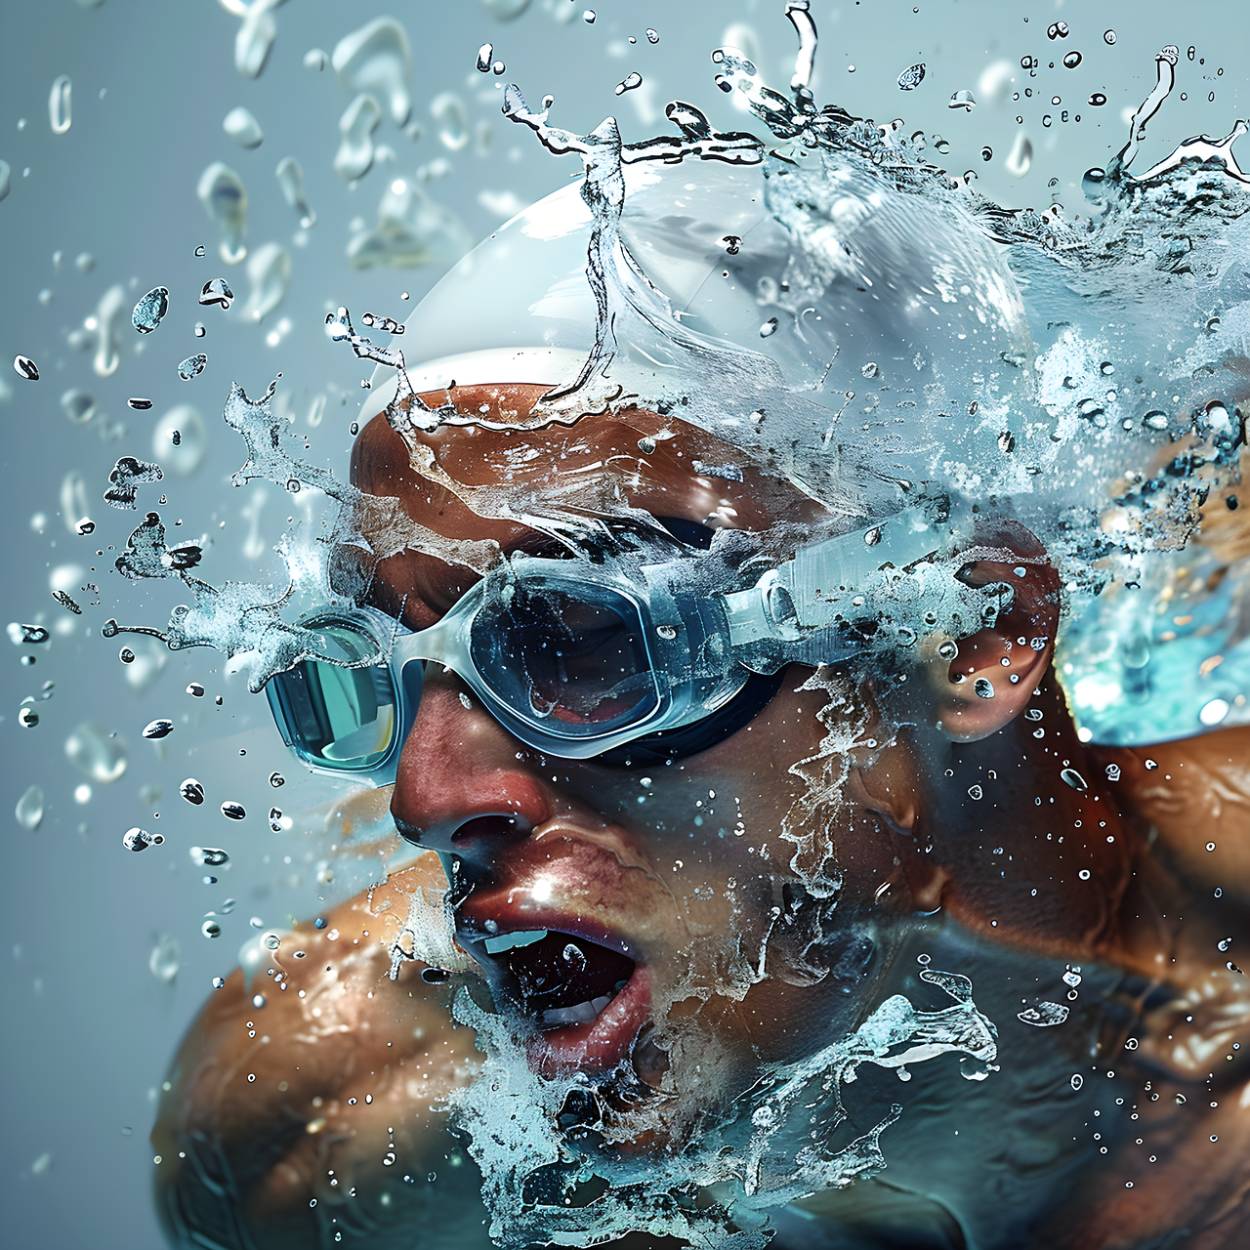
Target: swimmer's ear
993,677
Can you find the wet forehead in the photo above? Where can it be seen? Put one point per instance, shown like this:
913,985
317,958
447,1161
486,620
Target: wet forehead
599,465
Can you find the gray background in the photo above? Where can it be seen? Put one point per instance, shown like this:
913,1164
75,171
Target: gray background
88,1028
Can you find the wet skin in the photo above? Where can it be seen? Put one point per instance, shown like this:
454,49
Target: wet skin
566,845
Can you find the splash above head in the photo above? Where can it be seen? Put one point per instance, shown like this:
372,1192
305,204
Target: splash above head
802,310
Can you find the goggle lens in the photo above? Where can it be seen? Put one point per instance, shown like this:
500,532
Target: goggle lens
336,717
576,665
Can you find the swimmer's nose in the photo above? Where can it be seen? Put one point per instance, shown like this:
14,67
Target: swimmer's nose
464,785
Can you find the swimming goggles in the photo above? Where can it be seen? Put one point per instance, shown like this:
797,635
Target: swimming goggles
576,658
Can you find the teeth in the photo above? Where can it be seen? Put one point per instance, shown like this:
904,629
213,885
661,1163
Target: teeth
510,941
579,1013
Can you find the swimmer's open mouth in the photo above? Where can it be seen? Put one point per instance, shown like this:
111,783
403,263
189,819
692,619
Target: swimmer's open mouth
587,999
555,978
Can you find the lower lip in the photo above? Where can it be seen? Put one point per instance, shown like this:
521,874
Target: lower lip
599,1044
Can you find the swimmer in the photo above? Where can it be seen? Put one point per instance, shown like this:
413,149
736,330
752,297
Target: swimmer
676,865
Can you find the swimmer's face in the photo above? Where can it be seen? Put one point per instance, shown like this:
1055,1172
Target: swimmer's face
683,948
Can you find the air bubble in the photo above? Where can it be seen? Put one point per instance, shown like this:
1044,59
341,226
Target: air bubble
60,101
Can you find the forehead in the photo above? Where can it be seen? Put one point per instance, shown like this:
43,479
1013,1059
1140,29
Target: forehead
466,482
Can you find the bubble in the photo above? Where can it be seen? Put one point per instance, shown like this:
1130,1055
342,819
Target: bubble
210,928
1077,1080
224,197
27,717
1108,36
375,61
139,403
192,791
164,958
1072,59
29,809
242,126
277,780
26,368
484,56
290,175
233,811
911,77
60,100
1097,99
355,154
975,792
984,688
629,83
652,35
150,311
192,366
96,754
963,99
185,455
1057,30
160,728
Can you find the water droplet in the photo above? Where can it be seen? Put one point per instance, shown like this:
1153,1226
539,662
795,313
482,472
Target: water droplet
290,175
573,957
963,99
27,717
629,83
27,635
1043,1015
911,77
224,197
652,36
975,792
136,839
60,100
180,440
241,126
355,154
26,368
233,810
216,293
1071,59
984,688
1074,779
769,328
150,311
1214,711
484,56
1077,1080
209,856
5,180
1108,36
1020,158
268,275
95,754
277,780
447,109
164,959
375,59
192,366
210,928
1057,30
29,809
192,791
